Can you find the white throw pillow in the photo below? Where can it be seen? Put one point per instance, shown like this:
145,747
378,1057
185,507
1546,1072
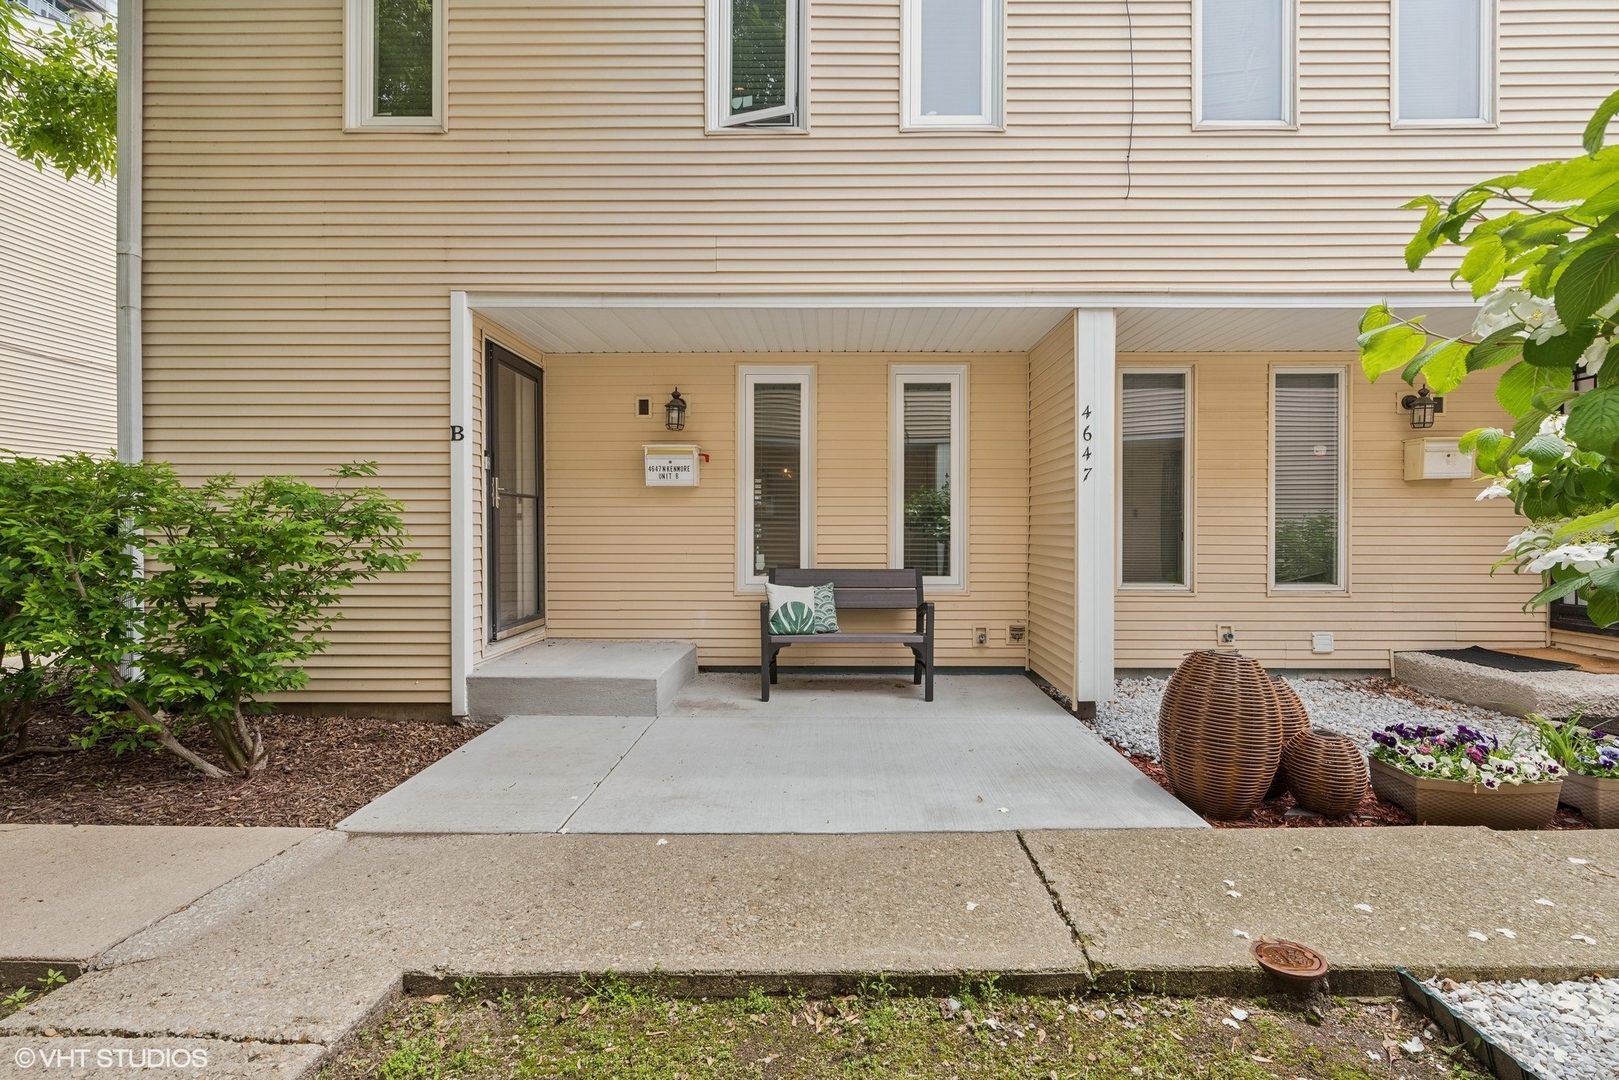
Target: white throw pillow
792,609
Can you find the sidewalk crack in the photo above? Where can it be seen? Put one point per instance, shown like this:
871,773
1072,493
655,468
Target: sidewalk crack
1057,905
606,776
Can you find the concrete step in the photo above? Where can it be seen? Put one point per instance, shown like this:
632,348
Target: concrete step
581,678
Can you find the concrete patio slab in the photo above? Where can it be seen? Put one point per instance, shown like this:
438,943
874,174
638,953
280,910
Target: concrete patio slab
73,891
581,678
1157,907
527,774
154,1059
322,953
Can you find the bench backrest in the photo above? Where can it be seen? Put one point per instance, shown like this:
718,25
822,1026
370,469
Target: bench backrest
858,588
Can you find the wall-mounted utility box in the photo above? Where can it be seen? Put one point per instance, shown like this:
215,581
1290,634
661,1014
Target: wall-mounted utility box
1436,459
672,464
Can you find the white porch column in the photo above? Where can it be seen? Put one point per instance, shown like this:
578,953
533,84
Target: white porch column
461,495
1094,481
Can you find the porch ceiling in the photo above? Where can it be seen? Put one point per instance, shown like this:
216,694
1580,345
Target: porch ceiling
560,325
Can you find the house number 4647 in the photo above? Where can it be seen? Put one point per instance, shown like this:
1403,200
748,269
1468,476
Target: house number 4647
1085,453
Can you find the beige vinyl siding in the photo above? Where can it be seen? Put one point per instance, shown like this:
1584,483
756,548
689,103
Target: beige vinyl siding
58,300
1419,552
1590,644
629,561
1053,649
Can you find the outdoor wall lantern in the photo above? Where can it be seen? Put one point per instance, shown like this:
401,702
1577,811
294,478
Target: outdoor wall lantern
675,412
1423,407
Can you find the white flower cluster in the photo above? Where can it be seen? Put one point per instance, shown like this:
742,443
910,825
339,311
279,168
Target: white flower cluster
1506,306
1524,471
1584,555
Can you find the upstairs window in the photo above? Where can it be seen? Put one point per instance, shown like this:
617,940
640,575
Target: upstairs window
952,54
1444,63
395,60
1243,63
756,63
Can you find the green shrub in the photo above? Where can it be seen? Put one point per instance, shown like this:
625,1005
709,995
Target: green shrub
1307,550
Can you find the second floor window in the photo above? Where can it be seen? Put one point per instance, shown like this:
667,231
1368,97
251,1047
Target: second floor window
756,63
1243,63
395,62
1444,62
952,63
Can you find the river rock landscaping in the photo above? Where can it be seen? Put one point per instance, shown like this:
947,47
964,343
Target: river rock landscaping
1561,1031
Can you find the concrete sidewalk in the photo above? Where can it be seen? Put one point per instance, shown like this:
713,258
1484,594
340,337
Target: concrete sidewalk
315,943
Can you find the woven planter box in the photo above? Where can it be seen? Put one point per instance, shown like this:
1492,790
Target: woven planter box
1451,802
1595,797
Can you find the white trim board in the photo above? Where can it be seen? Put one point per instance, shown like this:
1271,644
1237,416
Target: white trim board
463,342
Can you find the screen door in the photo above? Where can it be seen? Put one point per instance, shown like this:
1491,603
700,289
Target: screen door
515,461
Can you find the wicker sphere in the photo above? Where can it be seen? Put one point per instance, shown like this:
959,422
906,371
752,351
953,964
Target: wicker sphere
1325,771
1295,721
1220,734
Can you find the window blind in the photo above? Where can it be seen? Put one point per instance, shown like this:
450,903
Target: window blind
952,57
1308,451
1153,478
1441,46
1244,60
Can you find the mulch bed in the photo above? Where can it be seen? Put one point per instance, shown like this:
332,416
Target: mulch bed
1272,814
321,770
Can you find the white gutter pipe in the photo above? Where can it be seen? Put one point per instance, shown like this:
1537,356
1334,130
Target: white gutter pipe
131,418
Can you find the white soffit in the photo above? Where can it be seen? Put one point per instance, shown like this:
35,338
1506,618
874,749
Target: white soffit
726,327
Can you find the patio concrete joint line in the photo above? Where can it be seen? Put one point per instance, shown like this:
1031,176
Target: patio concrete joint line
1057,906
605,777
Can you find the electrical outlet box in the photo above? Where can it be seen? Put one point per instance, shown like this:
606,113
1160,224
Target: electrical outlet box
1225,636
1017,633
1321,642
643,407
980,635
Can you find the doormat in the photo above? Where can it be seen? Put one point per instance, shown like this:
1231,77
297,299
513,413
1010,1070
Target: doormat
1501,661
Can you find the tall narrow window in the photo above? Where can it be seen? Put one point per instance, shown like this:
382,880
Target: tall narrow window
776,478
1307,478
1444,70
953,56
395,61
927,467
755,63
1153,475
1244,61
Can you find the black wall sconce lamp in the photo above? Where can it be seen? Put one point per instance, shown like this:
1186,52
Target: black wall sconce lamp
674,412
1423,406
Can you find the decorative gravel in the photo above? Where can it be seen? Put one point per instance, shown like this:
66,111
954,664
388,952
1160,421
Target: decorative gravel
1352,707
1562,1031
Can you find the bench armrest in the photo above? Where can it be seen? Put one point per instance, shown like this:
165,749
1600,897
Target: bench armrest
924,618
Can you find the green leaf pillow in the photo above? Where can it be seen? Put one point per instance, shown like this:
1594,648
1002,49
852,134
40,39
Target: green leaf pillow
792,610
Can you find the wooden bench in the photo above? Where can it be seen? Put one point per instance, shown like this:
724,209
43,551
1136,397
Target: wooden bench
855,590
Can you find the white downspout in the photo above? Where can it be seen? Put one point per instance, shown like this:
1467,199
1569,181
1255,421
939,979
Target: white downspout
131,418
461,538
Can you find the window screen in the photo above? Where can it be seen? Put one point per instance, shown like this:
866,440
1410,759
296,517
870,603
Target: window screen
1244,60
952,57
761,67
403,71
1441,46
1307,477
778,469
1153,474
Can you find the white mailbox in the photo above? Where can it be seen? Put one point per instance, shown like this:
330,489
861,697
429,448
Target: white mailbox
1436,459
671,464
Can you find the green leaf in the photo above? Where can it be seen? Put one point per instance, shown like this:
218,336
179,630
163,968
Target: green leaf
1593,421
1602,608
1562,351
1446,366
1389,347
1597,130
1516,390
1601,519
1557,590
1484,265
1601,204
1579,178
1589,282
1377,316
1501,347
1426,237
1544,449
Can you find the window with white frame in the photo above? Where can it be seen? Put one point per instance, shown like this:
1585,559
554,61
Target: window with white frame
952,52
1244,63
776,473
1153,478
394,56
927,440
1307,478
756,63
1444,62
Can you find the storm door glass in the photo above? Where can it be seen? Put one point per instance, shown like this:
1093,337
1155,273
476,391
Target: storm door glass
778,470
516,487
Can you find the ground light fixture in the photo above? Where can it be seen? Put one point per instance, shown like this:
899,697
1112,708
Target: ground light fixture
675,412
1423,406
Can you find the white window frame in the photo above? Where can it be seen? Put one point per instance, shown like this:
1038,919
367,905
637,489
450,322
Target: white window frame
990,116
956,376
359,68
1342,585
717,47
1489,77
1290,81
747,377
1189,488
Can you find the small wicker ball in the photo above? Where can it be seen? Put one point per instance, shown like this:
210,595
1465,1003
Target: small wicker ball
1295,721
1220,734
1325,771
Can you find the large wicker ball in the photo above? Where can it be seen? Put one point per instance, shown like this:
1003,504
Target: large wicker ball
1325,771
1295,721
1220,734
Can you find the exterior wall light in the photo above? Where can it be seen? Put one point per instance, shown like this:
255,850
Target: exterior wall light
1423,407
675,412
